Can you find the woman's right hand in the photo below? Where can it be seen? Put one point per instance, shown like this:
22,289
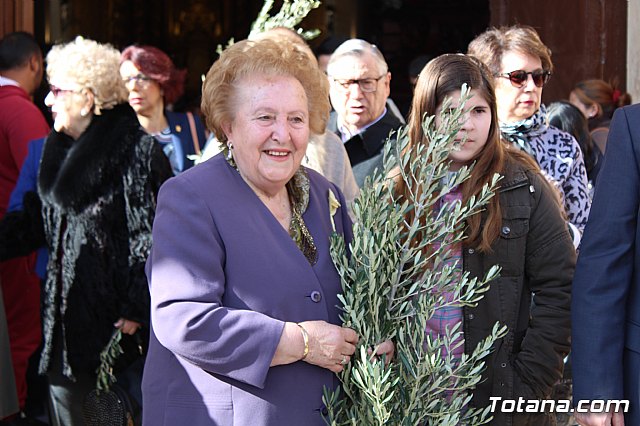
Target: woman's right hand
330,346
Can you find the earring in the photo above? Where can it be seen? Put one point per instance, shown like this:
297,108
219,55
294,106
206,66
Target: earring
84,112
229,151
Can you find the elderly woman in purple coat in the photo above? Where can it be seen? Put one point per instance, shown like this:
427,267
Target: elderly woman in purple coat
244,307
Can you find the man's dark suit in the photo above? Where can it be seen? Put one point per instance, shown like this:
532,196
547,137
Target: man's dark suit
606,286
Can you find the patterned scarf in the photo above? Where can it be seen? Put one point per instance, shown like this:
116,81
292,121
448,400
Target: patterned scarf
520,132
298,189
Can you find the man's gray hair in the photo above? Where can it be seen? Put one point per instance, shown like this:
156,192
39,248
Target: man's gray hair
358,48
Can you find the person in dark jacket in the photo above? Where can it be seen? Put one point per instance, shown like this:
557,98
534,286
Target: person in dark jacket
606,305
94,207
154,83
522,230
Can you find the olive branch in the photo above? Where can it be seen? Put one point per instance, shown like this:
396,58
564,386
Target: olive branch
395,274
290,15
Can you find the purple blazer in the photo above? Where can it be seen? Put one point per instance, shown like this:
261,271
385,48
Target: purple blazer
224,276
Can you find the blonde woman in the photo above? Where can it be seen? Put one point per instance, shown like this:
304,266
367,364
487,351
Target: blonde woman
252,334
98,178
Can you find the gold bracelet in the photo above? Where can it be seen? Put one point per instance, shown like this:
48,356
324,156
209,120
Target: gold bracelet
305,337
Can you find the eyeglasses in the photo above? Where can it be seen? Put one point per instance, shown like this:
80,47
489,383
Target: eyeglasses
56,91
139,79
518,78
367,85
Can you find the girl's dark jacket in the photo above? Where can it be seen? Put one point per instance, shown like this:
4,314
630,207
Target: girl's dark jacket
532,296
94,209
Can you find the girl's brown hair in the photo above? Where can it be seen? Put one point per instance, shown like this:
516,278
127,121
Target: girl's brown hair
440,78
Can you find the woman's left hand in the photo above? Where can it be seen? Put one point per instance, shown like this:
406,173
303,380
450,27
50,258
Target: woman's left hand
386,348
127,326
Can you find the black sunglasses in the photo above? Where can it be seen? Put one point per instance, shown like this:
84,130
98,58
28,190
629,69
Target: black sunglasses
518,78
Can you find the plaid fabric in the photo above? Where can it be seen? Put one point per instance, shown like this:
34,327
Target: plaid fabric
447,317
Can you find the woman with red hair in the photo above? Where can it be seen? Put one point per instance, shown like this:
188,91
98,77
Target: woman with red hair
154,83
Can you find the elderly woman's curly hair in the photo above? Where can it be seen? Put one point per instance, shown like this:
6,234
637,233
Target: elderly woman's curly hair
265,58
91,65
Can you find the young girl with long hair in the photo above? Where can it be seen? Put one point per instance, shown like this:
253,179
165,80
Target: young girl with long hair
521,229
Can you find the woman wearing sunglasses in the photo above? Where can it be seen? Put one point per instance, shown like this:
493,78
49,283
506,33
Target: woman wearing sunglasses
521,66
94,206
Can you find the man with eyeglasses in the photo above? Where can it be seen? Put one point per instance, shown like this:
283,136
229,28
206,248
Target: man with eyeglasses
21,71
359,88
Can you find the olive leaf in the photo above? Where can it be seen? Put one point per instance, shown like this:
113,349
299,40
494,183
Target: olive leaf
291,13
108,358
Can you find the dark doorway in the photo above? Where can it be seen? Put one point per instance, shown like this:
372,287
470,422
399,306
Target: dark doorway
188,30
588,38
404,29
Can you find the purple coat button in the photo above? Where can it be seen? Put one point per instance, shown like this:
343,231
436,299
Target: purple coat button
316,296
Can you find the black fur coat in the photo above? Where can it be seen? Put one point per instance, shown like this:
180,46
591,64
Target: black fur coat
98,198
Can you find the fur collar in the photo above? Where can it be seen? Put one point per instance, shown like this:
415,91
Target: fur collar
75,173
